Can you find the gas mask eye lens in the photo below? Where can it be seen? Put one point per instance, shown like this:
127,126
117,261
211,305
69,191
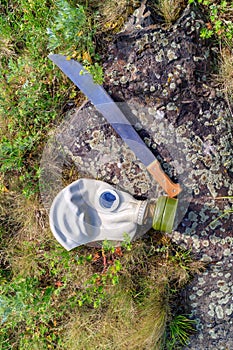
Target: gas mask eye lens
108,200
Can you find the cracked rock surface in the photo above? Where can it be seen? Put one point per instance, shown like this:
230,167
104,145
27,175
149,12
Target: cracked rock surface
168,70
163,75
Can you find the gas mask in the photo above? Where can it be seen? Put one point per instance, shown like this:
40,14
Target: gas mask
88,211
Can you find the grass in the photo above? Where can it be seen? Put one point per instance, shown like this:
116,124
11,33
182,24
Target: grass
113,13
87,298
219,27
169,9
225,75
226,212
30,101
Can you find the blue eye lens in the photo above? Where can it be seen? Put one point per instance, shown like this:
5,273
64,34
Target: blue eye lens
107,199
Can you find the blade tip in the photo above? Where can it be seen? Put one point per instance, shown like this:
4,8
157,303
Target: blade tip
54,56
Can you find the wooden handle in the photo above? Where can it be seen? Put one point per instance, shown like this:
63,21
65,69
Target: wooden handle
163,180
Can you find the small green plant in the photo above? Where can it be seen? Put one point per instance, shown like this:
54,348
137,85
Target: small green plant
219,27
220,21
179,330
72,33
95,288
25,312
225,213
126,244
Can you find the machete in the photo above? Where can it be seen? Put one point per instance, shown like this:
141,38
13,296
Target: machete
112,113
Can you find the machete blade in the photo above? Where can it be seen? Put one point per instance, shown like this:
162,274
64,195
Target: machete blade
112,113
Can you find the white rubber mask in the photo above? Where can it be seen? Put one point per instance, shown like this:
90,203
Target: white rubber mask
89,210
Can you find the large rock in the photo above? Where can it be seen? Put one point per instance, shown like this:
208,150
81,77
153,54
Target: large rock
169,72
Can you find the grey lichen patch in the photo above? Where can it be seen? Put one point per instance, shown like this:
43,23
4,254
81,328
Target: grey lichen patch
205,243
215,223
174,45
206,258
171,55
160,56
192,296
152,88
214,240
200,292
224,289
225,300
159,114
211,311
193,217
172,86
171,106
229,310
123,79
213,334
201,281
227,252
165,42
219,312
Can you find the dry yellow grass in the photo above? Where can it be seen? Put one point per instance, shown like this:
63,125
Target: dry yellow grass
6,48
105,328
114,13
225,74
170,9
121,325
26,226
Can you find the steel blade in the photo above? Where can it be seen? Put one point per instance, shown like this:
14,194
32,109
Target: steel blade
105,105
112,113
